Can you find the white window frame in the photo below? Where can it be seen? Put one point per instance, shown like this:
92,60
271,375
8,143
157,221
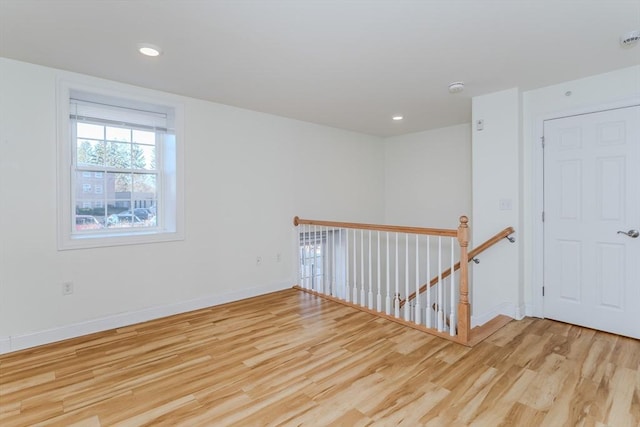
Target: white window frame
171,189
318,241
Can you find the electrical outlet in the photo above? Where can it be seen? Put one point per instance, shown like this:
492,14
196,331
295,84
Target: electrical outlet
505,204
278,257
258,260
67,288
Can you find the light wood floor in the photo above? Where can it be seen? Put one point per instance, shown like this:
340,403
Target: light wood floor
292,359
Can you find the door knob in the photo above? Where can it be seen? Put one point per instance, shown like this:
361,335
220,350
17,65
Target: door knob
631,233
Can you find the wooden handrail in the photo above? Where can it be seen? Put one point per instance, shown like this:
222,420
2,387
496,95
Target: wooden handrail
472,254
392,228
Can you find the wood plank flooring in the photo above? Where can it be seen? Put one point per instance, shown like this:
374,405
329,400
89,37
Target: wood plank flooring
291,359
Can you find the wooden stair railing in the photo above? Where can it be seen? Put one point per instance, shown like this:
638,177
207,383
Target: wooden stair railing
472,254
461,317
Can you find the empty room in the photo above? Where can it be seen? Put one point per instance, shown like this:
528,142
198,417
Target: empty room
320,213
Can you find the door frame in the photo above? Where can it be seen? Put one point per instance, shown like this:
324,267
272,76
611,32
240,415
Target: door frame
537,282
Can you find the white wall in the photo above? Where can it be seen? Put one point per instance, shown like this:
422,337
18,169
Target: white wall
588,94
495,171
247,174
428,177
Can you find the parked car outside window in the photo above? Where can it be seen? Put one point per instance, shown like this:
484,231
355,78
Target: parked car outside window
124,220
142,213
87,222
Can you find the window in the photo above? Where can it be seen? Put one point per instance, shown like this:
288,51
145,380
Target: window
312,253
123,154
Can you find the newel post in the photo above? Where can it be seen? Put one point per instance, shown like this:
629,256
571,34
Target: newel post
464,309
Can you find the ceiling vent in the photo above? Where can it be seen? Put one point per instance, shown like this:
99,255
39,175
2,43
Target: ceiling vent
630,38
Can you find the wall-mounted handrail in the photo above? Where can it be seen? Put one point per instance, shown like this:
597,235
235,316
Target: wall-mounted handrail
376,227
472,254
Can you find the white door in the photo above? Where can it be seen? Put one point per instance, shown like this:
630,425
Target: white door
591,199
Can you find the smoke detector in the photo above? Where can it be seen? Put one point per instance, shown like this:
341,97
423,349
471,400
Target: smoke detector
456,87
630,38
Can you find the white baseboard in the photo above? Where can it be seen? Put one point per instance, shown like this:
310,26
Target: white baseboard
521,312
530,311
5,345
47,336
506,308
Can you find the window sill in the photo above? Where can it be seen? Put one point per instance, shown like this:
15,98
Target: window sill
118,239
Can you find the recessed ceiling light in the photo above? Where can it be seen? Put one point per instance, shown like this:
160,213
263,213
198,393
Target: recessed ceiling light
149,49
397,118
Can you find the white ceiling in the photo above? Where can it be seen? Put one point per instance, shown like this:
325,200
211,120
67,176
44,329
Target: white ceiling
350,64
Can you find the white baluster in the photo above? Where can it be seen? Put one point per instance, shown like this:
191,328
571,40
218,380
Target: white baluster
300,244
332,263
396,297
339,283
323,252
326,250
329,251
355,270
440,285
337,252
428,311
309,261
306,256
396,305
379,299
362,279
418,318
325,262
370,300
309,266
452,314
407,308
322,260
301,254
314,282
387,298
335,262
347,289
